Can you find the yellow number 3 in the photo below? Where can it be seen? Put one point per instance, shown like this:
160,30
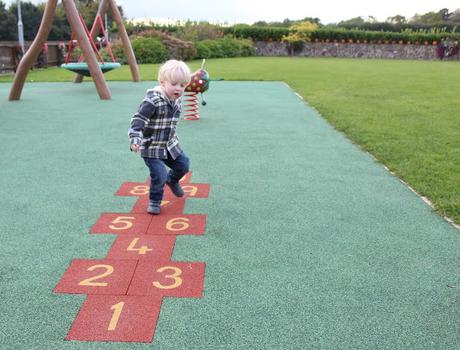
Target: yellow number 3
174,276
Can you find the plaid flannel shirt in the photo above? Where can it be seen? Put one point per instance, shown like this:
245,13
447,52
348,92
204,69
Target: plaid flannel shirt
153,126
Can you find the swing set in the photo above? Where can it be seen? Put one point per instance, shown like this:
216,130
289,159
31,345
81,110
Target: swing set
88,63
81,67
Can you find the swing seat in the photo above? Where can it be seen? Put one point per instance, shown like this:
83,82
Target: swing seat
82,67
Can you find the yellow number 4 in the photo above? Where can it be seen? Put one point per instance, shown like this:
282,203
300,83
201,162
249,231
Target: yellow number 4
142,250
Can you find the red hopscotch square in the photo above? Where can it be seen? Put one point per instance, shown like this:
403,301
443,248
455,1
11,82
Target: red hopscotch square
116,318
143,247
168,207
133,189
181,224
97,277
185,179
190,191
124,223
168,278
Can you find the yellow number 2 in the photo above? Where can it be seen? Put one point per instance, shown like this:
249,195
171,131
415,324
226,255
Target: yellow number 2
174,276
90,281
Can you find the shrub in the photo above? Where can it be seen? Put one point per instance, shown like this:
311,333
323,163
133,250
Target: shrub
301,33
257,33
331,34
225,47
196,31
149,50
118,52
177,48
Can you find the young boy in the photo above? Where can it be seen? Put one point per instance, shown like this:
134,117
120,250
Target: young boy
153,132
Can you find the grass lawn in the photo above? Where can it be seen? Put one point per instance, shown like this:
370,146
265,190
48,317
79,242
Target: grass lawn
406,113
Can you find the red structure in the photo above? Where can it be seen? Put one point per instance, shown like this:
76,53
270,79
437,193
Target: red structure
198,84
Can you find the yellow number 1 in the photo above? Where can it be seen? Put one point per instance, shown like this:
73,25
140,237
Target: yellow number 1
116,315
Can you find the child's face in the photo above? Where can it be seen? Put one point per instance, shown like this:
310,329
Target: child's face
173,89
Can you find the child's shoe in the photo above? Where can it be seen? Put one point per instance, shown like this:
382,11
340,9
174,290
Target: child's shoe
175,188
154,208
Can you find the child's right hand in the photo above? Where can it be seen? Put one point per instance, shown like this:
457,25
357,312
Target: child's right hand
135,148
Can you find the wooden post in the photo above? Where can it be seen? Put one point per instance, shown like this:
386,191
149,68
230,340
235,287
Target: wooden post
96,73
103,6
31,55
125,40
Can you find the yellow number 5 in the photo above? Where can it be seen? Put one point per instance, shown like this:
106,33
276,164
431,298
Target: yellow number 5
174,276
123,221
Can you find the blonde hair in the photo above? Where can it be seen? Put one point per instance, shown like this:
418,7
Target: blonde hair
174,71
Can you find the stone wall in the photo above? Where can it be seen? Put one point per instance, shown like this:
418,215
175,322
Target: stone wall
395,51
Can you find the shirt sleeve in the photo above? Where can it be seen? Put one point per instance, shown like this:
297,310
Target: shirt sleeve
139,121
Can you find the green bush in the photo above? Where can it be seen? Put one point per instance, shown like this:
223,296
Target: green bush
177,48
225,47
149,50
197,31
258,33
422,36
331,33
118,52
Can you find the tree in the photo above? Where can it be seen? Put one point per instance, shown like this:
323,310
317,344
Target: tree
370,19
356,21
455,16
7,23
315,20
260,24
61,27
398,19
31,18
432,18
300,34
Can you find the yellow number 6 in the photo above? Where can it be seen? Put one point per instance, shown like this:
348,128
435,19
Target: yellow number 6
177,224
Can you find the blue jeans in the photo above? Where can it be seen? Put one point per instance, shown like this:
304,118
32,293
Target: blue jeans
159,175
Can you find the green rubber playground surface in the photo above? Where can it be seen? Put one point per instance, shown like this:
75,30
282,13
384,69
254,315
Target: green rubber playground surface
309,243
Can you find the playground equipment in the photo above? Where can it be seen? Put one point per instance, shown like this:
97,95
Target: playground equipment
199,83
80,67
94,68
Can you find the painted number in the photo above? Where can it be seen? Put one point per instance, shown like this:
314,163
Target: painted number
90,281
140,190
177,224
174,276
191,190
142,250
116,315
123,222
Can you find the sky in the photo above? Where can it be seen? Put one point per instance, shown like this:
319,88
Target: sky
249,11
